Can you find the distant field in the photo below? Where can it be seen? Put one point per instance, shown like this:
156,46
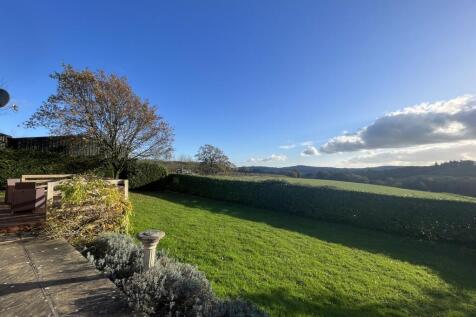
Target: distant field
358,187
294,266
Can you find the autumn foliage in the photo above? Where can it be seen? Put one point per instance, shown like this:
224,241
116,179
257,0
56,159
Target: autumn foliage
103,108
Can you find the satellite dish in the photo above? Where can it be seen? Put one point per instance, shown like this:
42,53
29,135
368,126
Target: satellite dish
4,97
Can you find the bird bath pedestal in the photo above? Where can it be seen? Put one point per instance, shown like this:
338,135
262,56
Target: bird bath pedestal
150,239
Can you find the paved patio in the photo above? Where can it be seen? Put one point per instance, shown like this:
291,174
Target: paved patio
50,278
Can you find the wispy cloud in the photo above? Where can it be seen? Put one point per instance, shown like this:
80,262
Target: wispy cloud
293,145
287,146
310,151
271,158
428,123
306,143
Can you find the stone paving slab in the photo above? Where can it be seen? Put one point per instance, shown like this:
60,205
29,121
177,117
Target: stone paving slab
41,277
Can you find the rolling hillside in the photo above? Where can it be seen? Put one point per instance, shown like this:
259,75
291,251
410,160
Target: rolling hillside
458,177
357,187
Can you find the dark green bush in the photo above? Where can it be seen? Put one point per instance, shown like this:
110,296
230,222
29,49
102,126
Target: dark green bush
145,174
423,218
14,163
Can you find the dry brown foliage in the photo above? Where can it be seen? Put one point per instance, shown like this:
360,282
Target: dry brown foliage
88,207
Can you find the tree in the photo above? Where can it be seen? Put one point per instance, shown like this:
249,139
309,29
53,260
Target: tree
213,160
103,108
295,173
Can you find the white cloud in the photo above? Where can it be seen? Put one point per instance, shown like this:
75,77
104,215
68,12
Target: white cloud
271,158
417,155
310,151
293,145
287,146
451,128
427,123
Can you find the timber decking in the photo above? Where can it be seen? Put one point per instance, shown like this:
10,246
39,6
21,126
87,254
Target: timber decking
41,277
9,220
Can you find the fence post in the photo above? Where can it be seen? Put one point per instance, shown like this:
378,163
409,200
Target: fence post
126,188
50,188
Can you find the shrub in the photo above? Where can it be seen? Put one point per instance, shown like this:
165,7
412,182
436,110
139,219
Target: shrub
170,289
144,174
116,255
88,207
14,163
423,218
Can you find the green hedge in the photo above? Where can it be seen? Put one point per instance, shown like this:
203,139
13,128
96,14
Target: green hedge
145,174
14,163
423,218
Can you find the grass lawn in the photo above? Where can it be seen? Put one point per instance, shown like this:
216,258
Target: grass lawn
359,187
295,266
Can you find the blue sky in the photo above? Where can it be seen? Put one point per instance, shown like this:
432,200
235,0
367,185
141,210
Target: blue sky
270,82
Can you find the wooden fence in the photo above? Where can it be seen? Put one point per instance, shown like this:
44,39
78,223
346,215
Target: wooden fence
70,145
51,182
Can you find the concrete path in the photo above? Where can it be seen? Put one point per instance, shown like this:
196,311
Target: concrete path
50,278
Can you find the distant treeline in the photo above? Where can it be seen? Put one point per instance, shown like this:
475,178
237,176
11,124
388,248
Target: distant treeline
180,166
458,177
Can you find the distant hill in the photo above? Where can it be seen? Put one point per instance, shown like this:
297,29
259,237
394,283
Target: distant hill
458,177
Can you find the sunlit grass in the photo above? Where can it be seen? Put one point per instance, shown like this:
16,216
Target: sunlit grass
359,187
294,266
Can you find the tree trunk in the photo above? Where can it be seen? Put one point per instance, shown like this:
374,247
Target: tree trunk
116,171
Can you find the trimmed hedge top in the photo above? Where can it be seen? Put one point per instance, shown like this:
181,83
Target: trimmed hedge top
142,174
357,187
428,218
14,163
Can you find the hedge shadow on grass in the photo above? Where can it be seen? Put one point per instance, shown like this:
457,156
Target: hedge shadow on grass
431,219
343,305
453,263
